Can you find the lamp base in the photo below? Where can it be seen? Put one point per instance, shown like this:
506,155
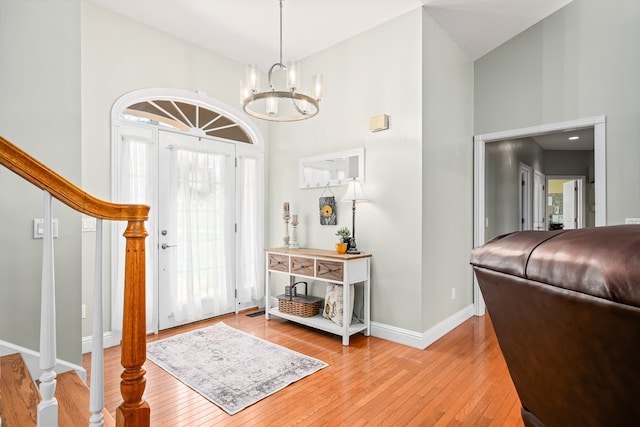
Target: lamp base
352,249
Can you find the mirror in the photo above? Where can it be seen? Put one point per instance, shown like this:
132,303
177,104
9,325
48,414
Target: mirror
331,169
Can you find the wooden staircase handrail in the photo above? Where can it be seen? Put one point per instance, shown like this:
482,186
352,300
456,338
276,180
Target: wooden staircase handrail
133,411
44,178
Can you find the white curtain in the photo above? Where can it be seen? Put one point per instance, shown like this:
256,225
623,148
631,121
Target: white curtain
199,187
250,249
135,185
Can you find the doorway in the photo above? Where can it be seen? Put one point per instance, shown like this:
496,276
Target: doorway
481,222
199,164
566,202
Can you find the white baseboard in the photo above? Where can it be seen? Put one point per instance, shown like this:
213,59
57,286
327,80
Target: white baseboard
425,339
108,340
32,359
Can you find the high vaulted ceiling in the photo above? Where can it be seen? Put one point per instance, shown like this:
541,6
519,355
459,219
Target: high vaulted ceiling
248,30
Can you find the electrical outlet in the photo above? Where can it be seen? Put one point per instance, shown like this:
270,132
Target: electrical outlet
632,220
84,311
453,293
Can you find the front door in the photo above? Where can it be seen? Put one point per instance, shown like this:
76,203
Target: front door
196,226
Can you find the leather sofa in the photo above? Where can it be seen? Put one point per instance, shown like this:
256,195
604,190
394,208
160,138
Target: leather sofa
565,306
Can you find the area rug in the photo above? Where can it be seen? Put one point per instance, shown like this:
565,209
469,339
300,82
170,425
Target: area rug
229,367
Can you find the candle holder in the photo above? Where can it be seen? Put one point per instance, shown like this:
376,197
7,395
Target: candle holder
286,217
294,233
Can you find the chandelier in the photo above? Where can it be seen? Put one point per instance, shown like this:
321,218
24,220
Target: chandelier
280,105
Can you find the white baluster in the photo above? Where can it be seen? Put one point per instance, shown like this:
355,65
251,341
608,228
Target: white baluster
48,406
96,402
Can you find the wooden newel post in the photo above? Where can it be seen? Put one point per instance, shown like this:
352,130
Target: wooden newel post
134,411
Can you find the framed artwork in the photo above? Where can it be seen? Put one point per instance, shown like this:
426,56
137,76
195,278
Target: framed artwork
328,210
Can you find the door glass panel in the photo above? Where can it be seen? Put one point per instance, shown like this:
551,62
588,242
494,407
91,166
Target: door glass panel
196,222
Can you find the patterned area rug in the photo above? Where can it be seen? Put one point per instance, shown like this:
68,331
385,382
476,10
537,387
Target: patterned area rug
230,368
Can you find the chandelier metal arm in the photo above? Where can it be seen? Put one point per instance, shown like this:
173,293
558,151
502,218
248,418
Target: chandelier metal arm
298,109
280,34
279,65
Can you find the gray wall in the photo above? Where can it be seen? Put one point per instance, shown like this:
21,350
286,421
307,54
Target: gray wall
418,222
568,162
580,62
40,113
360,85
447,175
502,165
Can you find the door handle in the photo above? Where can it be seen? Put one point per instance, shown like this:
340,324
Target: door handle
165,246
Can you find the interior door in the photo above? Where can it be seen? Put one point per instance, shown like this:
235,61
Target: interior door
196,223
569,208
539,201
525,197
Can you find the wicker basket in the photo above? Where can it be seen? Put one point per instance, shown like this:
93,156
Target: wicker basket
302,306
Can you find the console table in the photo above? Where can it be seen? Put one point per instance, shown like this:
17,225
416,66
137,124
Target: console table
324,266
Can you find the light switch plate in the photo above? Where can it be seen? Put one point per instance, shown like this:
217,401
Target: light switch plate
38,228
88,223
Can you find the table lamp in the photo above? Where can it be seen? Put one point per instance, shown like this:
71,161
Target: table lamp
353,194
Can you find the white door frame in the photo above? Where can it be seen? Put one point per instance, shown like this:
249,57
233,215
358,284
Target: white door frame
599,135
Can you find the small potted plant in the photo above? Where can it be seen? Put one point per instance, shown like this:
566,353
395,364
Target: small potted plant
345,237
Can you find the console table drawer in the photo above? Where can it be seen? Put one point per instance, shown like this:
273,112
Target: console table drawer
329,270
303,266
279,262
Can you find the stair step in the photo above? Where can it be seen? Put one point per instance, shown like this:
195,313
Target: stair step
73,402
19,395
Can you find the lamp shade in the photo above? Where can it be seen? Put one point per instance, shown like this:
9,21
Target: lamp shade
354,192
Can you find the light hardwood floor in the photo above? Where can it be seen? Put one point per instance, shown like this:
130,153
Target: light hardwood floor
460,380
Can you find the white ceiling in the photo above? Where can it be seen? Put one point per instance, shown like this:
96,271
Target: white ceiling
248,30
561,141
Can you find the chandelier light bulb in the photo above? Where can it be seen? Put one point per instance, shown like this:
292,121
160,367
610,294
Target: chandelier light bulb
272,106
317,86
293,76
253,78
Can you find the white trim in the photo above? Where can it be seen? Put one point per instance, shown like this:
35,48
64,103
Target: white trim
600,173
108,340
32,359
425,339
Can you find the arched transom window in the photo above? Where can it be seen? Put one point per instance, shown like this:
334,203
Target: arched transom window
186,116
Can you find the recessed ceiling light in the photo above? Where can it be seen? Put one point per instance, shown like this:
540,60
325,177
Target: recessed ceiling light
573,138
